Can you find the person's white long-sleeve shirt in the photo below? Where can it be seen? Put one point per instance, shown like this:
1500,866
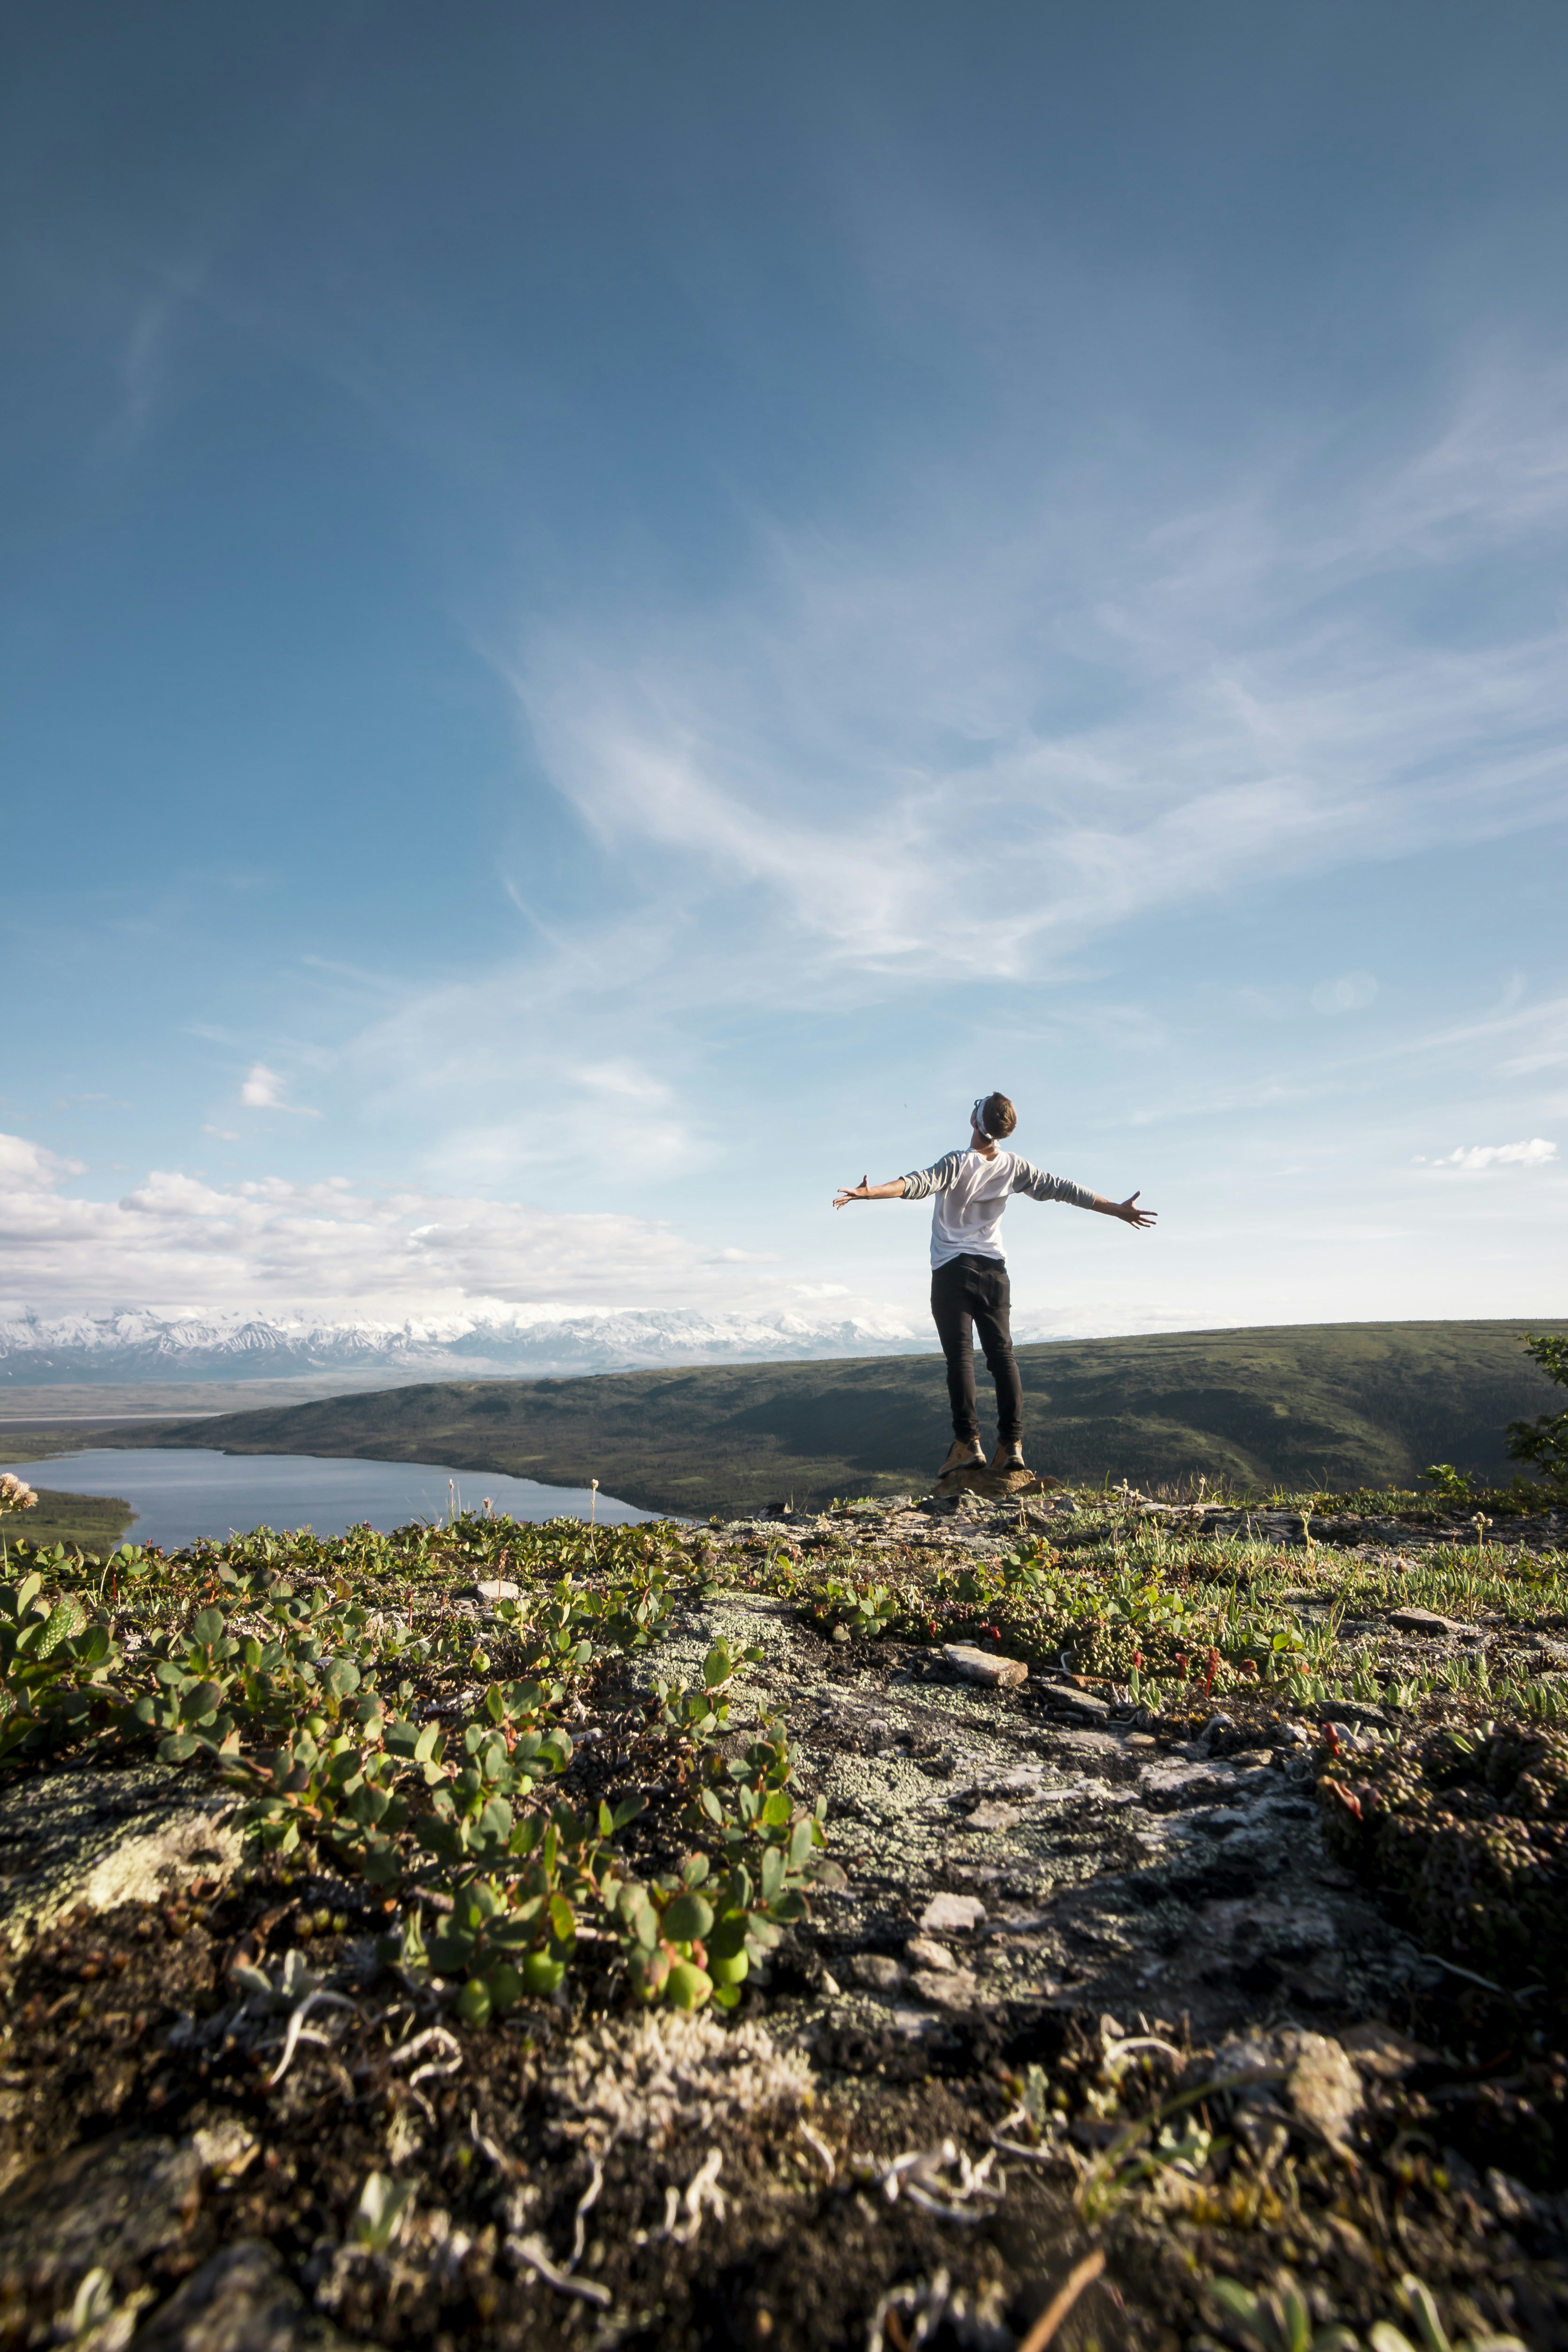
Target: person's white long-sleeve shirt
971,1194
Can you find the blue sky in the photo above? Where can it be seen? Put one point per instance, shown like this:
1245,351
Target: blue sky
609,612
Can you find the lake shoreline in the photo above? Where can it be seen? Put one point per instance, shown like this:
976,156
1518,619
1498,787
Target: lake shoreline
182,1495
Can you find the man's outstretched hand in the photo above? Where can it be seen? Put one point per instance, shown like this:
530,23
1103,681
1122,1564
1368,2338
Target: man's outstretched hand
1130,1212
861,1191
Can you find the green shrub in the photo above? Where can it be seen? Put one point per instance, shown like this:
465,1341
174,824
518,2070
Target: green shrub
1470,1834
1544,1440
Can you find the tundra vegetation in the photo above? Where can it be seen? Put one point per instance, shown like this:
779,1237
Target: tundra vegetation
1083,1917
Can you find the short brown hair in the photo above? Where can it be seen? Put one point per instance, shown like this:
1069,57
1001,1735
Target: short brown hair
999,1117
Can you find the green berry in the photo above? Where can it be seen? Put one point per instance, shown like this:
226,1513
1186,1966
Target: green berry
541,1974
687,1986
473,2002
506,1985
728,1968
649,1971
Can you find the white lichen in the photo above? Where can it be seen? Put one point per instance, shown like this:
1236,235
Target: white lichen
667,2071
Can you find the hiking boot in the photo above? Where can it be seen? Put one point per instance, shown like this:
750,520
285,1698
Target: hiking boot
964,1454
1008,1455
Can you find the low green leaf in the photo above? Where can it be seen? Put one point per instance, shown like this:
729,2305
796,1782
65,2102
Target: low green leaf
688,1917
450,1952
440,1837
728,1936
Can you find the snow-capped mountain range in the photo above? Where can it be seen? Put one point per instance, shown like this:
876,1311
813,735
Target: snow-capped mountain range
128,1345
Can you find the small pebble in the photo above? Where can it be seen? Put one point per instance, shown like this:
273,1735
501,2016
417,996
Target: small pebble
946,1988
952,1915
979,1666
877,1970
992,1817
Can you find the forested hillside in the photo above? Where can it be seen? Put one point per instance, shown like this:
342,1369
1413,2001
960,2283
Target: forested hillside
1301,1406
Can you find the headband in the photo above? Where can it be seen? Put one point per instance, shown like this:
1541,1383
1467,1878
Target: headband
979,1115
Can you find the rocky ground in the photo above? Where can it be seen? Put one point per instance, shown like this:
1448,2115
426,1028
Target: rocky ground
1184,1965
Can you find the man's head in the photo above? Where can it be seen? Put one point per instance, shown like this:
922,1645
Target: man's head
993,1117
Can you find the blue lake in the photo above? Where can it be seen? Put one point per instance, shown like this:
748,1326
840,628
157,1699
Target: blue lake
181,1492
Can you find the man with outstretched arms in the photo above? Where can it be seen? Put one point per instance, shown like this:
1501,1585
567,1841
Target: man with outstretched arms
969,1273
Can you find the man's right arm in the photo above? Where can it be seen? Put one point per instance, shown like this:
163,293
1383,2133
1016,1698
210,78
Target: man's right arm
865,1192
938,1178
916,1186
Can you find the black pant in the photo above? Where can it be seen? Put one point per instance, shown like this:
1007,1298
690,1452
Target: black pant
975,1290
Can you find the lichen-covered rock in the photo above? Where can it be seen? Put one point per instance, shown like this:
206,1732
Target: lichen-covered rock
106,1838
1312,2071
1325,2087
878,1971
241,2301
1470,1834
107,2205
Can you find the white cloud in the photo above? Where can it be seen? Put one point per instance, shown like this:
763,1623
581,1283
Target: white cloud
262,1090
1536,1153
28,1165
177,1242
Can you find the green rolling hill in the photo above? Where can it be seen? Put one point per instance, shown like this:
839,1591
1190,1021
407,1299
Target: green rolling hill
1304,1406
91,1522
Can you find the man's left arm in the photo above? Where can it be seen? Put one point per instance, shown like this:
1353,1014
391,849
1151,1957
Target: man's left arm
1041,1187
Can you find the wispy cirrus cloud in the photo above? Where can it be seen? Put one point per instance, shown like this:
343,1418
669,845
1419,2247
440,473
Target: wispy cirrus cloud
983,739
1534,1153
1000,729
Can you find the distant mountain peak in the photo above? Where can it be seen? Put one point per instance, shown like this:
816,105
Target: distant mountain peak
129,1344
